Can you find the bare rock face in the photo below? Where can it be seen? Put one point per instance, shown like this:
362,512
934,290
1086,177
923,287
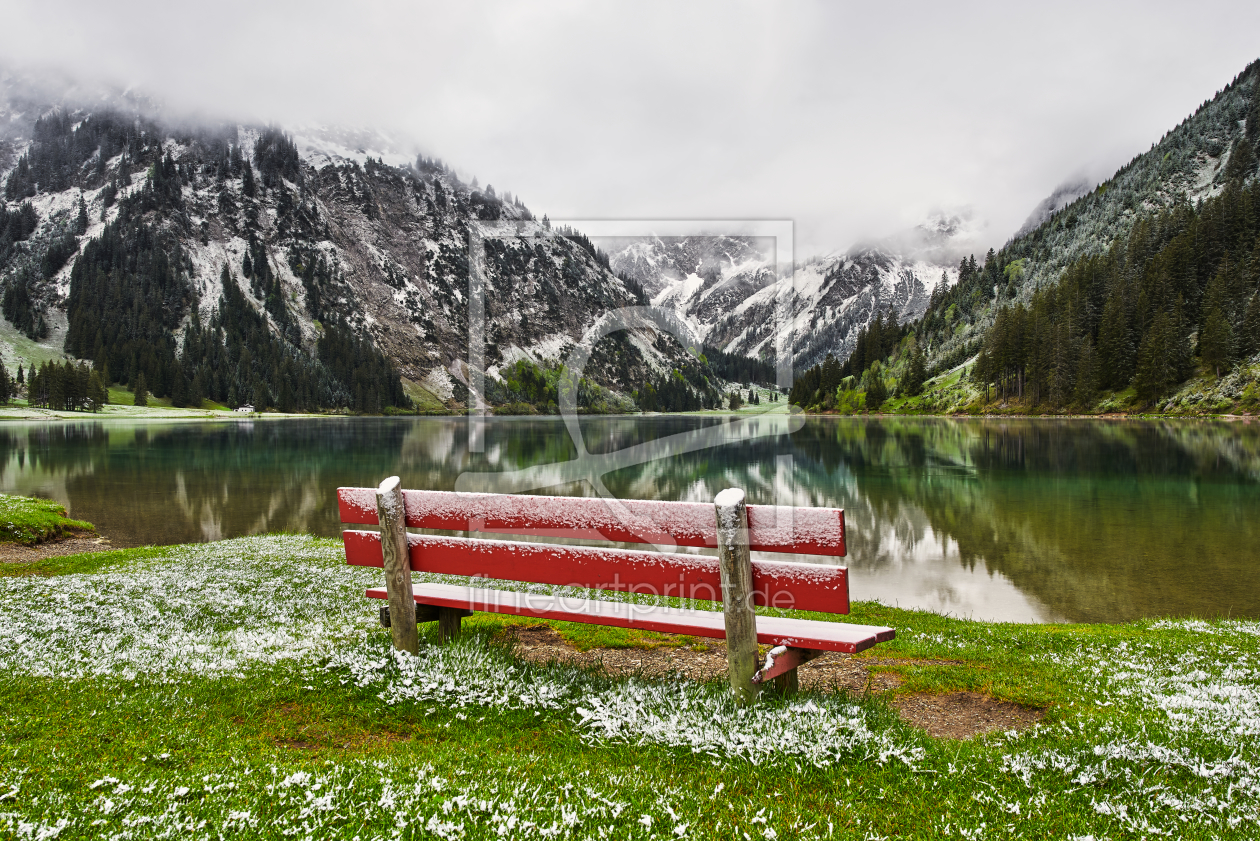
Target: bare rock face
733,297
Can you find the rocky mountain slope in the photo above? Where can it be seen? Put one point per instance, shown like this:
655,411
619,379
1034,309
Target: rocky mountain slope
1194,162
322,237
732,297
1142,294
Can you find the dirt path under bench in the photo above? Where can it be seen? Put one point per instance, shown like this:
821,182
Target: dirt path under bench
956,715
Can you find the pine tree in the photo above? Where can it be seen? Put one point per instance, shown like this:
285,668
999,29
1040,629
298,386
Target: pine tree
80,382
916,372
1063,370
197,390
179,390
1216,340
1114,348
33,391
261,397
876,391
1155,374
21,377
1250,338
97,392
1218,343
1252,130
142,391
831,374
1242,160
1086,375
56,387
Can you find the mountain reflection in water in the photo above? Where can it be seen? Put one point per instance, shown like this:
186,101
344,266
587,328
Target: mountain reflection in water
1022,520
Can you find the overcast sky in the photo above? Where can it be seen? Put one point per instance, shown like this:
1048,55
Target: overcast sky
854,122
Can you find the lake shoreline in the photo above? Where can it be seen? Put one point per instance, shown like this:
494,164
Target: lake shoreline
1110,416
130,413
1004,519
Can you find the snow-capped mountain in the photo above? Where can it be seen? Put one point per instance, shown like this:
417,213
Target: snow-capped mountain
316,227
732,297
656,263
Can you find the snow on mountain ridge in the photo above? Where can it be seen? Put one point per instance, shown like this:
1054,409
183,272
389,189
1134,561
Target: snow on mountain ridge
1063,195
359,230
726,290
321,145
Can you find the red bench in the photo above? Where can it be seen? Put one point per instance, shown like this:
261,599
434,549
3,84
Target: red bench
732,577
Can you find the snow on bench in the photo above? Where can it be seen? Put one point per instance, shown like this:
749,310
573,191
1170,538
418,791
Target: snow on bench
732,577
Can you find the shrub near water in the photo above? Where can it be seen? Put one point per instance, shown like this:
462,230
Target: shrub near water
31,521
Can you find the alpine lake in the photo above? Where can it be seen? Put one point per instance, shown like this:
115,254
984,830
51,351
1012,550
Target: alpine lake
1026,520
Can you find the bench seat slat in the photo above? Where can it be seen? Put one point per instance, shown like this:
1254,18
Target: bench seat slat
792,586
771,630
809,531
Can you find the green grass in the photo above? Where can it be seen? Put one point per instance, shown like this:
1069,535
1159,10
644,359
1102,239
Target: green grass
425,401
17,348
119,396
31,521
243,688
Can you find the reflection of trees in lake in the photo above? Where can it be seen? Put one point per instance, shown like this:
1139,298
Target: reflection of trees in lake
1094,519
188,482
1097,520
206,482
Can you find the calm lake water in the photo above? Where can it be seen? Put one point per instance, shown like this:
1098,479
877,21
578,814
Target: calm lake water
1025,520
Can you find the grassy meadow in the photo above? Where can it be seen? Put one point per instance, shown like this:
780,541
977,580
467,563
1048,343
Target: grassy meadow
245,689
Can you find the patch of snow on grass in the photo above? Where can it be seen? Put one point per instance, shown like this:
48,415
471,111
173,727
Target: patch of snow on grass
208,609
1209,731
678,713
372,800
222,608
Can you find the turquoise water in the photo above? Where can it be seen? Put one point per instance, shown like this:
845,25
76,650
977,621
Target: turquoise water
1023,520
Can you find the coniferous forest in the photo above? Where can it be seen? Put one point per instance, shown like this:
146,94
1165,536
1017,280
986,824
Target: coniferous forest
738,368
291,321
1179,291
1174,295
875,343
133,308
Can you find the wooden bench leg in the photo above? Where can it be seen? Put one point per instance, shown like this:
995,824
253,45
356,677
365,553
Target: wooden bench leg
735,567
787,683
448,623
781,664
397,562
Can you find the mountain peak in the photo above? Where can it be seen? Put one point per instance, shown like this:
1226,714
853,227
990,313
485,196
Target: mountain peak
1063,195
